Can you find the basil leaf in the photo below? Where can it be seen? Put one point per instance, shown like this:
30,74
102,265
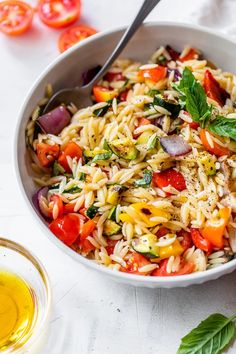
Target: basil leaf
145,181
211,336
195,98
104,156
57,169
223,126
100,112
173,108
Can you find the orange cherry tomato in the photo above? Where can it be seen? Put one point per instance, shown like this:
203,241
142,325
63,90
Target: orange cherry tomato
141,121
192,54
87,229
66,228
47,154
59,13
103,94
185,268
154,74
15,17
73,150
217,149
135,262
200,242
213,89
214,229
74,35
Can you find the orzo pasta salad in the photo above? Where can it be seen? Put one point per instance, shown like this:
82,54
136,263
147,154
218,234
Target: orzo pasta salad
143,180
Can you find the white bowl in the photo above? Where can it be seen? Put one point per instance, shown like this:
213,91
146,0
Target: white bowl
66,71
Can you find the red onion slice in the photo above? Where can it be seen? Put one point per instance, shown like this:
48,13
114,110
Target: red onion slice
42,192
175,145
54,121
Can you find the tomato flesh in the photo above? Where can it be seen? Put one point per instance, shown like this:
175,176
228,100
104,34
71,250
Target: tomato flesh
192,54
185,268
15,17
154,74
217,149
200,242
135,262
169,177
73,35
59,13
103,94
66,228
47,154
74,151
56,199
186,239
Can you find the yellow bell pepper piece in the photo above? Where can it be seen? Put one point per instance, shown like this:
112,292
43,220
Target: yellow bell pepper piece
126,218
175,249
147,212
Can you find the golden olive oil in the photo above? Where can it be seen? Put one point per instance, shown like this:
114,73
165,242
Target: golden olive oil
17,309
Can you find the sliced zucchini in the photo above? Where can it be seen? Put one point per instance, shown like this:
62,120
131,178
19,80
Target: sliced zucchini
114,193
145,181
146,245
91,211
111,228
208,162
112,214
102,157
173,108
124,148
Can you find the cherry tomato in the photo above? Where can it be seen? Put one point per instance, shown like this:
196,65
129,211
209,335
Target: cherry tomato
185,268
69,208
213,89
57,201
154,74
74,35
110,246
187,239
66,228
200,242
15,17
123,95
169,177
142,121
194,125
47,154
113,76
217,149
103,94
73,150
87,229
58,13
135,262
192,54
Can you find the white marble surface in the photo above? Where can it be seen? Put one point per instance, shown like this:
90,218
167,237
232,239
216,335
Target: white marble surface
91,314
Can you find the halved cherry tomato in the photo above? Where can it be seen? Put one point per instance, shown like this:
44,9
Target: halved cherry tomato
185,268
114,76
214,229
59,13
154,74
73,150
103,94
56,199
74,35
187,239
66,228
82,211
15,17
200,242
169,177
135,262
192,54
123,95
162,232
213,89
47,154
69,208
87,229
141,121
110,246
217,149
194,125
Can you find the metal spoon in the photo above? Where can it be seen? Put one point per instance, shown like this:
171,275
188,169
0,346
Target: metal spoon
81,96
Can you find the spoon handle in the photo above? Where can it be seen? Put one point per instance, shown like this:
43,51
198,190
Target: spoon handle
143,12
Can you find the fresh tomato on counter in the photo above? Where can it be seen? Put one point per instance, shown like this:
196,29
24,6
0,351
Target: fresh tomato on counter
59,13
15,17
74,35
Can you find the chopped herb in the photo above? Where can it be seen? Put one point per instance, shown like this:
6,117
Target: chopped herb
145,181
91,211
57,169
101,157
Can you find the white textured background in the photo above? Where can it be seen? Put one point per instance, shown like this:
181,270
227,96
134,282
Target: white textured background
91,314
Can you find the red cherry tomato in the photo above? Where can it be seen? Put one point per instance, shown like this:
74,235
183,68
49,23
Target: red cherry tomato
187,239
185,268
15,17
135,262
192,54
73,150
123,95
154,74
213,89
66,228
74,35
169,177
194,125
47,154
59,13
57,201
200,242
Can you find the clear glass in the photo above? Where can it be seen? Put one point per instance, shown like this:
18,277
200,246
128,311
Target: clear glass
17,260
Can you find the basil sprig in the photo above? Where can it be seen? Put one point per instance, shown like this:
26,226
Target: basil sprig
194,97
211,336
223,126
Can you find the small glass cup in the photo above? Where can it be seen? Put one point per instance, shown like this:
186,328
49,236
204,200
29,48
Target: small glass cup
17,260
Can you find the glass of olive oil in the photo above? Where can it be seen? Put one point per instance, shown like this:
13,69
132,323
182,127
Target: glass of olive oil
24,298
